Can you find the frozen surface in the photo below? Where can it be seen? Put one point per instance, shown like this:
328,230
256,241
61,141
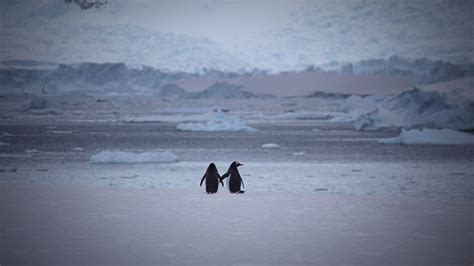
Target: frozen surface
132,157
430,136
293,36
56,225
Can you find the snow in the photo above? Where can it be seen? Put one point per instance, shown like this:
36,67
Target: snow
419,109
58,225
414,108
430,136
270,145
217,121
354,106
132,157
293,36
223,90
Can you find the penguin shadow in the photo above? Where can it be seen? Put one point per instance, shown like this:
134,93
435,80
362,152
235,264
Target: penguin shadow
213,178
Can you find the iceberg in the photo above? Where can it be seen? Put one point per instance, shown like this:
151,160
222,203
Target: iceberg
418,109
430,136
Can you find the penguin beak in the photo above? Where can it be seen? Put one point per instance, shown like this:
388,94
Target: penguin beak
239,164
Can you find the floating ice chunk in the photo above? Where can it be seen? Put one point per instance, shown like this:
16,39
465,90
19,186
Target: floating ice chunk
430,136
31,151
132,157
270,145
77,149
217,121
300,153
6,134
4,143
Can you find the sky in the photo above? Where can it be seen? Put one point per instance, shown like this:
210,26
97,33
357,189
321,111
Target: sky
276,36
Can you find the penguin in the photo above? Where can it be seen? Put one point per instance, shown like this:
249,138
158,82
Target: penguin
212,179
235,179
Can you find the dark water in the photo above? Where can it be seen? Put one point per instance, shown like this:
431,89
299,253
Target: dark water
329,142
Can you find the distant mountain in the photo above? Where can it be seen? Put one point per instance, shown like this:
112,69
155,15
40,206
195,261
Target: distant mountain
309,33
365,77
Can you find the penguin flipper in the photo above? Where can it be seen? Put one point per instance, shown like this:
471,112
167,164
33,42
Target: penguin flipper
241,192
241,180
220,179
225,175
202,180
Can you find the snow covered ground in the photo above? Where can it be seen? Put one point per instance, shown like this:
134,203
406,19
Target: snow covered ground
56,225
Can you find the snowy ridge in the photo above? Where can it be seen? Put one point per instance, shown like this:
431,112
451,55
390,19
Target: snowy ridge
303,34
86,77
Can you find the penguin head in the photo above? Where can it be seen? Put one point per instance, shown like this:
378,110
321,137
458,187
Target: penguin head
235,164
212,166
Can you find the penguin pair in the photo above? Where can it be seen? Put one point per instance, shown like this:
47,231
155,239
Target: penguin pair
213,178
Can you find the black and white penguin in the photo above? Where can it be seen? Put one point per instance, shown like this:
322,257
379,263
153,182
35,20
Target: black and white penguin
234,181
212,179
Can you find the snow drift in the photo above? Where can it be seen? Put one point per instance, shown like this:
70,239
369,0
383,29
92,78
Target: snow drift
411,109
430,136
131,157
